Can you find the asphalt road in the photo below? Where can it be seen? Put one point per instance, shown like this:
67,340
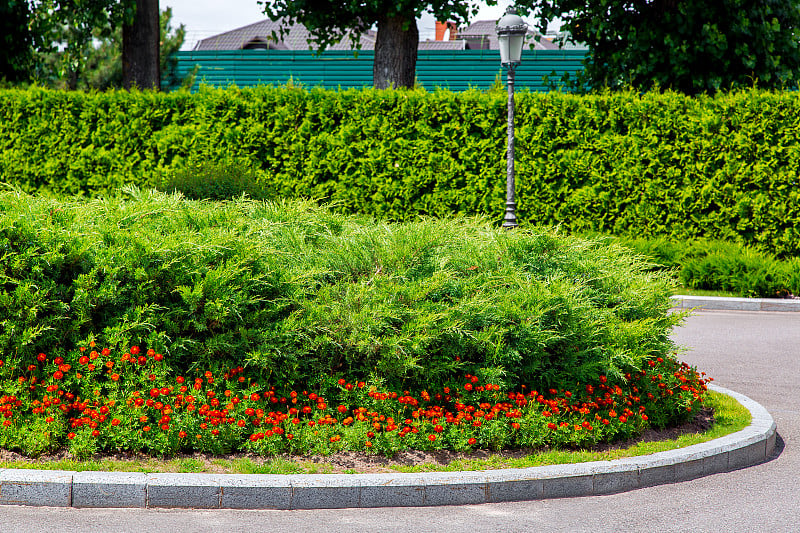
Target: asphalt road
755,354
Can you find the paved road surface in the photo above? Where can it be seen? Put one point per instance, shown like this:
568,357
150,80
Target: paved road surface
755,354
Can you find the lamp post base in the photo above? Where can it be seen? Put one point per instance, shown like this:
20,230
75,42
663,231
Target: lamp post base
510,218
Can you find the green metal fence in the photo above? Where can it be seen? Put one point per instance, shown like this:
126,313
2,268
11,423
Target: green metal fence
454,70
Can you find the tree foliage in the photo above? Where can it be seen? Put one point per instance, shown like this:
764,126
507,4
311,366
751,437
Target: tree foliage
329,22
63,34
692,46
80,48
15,40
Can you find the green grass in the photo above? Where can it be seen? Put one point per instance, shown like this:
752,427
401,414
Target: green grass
684,291
730,416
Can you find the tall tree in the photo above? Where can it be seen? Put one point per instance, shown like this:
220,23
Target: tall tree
15,40
330,21
141,66
64,30
104,61
65,36
692,46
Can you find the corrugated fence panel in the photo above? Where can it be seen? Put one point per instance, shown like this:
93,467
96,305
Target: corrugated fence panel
454,70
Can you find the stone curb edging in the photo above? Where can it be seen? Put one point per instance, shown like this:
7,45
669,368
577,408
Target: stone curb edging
750,446
721,303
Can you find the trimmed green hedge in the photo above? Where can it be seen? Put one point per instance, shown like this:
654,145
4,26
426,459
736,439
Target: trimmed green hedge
623,163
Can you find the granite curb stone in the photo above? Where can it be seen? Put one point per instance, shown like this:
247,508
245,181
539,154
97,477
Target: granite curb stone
723,303
109,489
747,447
49,488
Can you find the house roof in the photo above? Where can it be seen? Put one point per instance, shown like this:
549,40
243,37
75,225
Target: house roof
478,35
259,35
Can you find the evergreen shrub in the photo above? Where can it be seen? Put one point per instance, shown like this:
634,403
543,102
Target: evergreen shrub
302,294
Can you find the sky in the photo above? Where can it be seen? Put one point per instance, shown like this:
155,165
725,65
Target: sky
204,18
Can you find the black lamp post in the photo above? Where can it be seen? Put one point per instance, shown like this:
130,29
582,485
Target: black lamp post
511,30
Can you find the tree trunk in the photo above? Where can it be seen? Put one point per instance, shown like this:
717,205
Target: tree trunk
395,62
140,45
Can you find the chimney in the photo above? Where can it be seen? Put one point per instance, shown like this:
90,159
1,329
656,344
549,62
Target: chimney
442,27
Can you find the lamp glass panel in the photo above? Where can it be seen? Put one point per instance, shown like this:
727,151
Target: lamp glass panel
504,44
515,47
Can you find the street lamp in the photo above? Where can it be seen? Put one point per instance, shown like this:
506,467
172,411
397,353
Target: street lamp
511,30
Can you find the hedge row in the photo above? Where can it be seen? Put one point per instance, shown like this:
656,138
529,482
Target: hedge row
623,163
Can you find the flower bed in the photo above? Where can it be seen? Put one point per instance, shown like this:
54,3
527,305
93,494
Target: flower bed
94,401
248,298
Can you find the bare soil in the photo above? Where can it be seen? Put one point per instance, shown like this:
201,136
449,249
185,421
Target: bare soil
354,462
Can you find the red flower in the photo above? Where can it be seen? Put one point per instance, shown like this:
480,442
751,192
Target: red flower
115,422
551,426
431,438
472,441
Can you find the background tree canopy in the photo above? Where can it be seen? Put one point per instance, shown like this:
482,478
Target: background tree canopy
397,38
692,46
78,44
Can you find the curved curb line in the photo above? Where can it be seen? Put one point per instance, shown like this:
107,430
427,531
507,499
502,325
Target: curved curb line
750,446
